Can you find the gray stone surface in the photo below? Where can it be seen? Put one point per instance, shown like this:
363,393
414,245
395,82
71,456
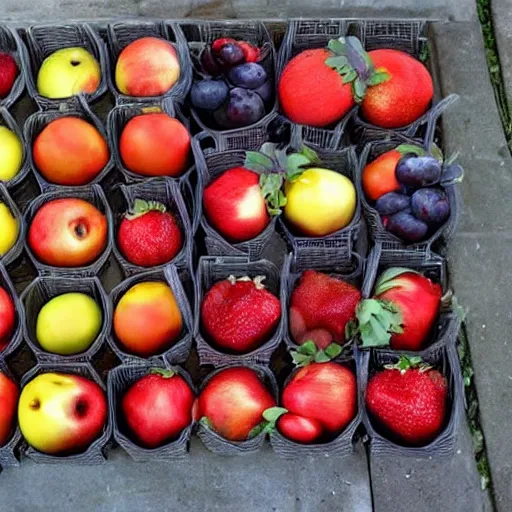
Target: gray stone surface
202,483
480,254
502,19
50,10
424,485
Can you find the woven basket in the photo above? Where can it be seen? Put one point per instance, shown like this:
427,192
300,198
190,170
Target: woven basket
9,452
337,248
7,120
43,40
35,124
93,194
210,271
351,272
390,243
443,359
211,165
340,446
199,33
181,283
165,191
95,453
17,335
447,326
308,34
220,445
42,290
122,33
120,379
11,43
17,248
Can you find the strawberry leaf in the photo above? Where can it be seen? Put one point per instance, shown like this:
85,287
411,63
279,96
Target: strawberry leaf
257,430
359,89
206,422
338,62
166,373
140,207
272,414
387,281
378,77
310,154
308,348
333,350
377,321
258,162
350,76
270,185
300,359
337,46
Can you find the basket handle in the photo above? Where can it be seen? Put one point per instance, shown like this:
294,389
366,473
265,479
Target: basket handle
434,115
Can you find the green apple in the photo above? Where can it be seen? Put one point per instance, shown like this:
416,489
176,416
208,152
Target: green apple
11,154
68,324
67,72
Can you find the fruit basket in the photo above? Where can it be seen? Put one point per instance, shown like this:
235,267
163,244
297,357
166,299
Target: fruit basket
40,292
382,442
95,452
340,444
122,33
438,236
15,251
8,121
220,445
16,337
12,44
92,194
44,40
339,246
119,380
181,285
166,192
199,35
212,270
9,451
39,121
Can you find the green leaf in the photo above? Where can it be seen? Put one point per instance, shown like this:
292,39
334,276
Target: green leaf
333,350
257,430
380,331
359,88
258,162
300,359
310,154
337,46
387,281
166,373
206,422
350,329
293,165
269,149
377,321
272,414
308,348
349,76
270,185
410,148
367,308
378,77
321,357
338,61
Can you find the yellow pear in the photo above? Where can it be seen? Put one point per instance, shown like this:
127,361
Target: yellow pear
11,154
9,229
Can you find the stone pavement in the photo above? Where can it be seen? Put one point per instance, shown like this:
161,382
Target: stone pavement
502,20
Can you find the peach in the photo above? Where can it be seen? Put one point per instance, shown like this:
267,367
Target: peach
147,319
155,144
147,67
70,151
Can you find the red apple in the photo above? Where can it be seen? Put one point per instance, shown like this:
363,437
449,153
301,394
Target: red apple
70,151
61,413
158,407
7,318
234,205
9,394
325,392
233,402
8,73
68,232
147,67
155,144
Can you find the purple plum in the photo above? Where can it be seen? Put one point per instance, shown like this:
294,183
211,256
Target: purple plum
406,226
418,171
392,202
430,205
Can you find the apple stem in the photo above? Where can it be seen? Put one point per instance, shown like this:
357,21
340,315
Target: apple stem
35,404
167,374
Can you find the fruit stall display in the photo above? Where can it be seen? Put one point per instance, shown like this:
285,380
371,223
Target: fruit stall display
208,229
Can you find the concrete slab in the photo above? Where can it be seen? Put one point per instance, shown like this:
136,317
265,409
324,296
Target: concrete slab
502,20
479,258
422,485
202,483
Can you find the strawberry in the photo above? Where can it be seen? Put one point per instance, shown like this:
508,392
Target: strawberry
408,400
320,307
318,87
299,429
404,96
403,312
149,235
251,53
234,205
239,315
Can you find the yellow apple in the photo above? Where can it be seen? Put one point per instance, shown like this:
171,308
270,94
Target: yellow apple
9,229
67,72
61,413
11,154
319,202
68,324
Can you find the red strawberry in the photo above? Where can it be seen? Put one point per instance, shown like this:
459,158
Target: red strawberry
403,312
219,43
8,73
320,307
409,401
234,205
239,315
404,96
149,235
299,429
251,53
